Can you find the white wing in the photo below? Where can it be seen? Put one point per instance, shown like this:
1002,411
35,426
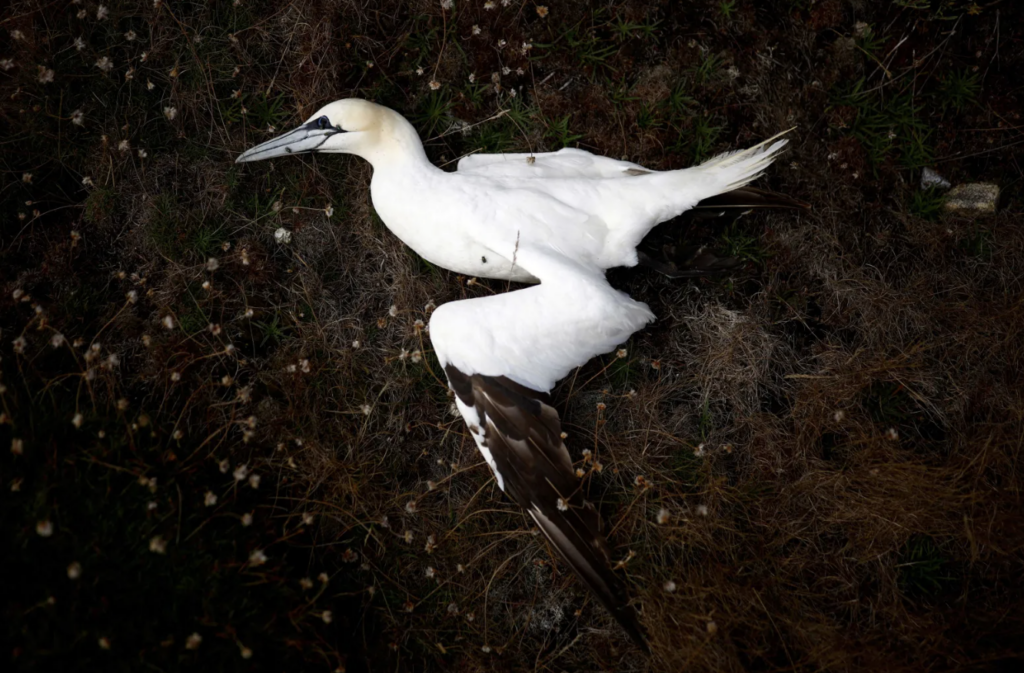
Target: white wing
502,354
565,163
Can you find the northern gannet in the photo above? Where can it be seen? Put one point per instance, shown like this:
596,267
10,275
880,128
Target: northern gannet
558,220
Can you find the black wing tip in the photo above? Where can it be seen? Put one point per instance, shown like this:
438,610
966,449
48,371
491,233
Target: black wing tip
752,197
538,496
628,618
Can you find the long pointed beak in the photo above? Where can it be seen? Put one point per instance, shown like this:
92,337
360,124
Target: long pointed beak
303,140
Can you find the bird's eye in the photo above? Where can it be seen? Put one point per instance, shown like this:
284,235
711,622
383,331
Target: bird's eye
323,122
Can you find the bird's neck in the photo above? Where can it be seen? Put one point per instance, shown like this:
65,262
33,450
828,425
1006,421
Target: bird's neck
398,147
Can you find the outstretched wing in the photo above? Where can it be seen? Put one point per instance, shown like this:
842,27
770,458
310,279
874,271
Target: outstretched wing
502,355
565,163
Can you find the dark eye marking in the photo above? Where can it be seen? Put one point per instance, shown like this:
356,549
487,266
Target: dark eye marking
323,123
483,259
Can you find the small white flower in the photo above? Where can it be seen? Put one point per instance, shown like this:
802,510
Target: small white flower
74,571
168,322
105,64
87,181
662,517
839,415
408,537
158,545
193,642
366,409
393,311
245,652
327,616
170,112
45,75
306,583
150,86
17,446
489,5
44,528
103,642
283,236
26,178
247,519
476,29
434,85
892,433
6,64
130,36
307,518
102,12
240,472
210,499
702,510
329,211
670,586
257,557
17,35
562,505
621,353
254,480
447,4
123,146
77,420
430,572
410,507
57,340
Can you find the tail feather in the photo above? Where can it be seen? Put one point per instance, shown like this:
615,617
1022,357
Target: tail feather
734,170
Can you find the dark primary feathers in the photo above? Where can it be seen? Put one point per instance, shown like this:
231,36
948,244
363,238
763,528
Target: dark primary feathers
667,249
523,434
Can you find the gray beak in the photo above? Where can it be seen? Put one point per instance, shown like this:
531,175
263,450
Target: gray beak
303,140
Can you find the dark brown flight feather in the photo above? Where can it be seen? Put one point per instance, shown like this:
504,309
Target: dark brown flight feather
751,197
522,431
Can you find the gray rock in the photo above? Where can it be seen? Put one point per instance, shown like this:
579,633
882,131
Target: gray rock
977,198
930,179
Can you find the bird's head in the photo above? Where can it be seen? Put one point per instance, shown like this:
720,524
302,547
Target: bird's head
348,126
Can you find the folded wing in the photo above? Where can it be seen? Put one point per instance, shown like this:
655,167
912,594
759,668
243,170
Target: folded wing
565,163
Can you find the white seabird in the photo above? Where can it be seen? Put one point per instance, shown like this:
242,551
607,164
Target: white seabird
557,219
